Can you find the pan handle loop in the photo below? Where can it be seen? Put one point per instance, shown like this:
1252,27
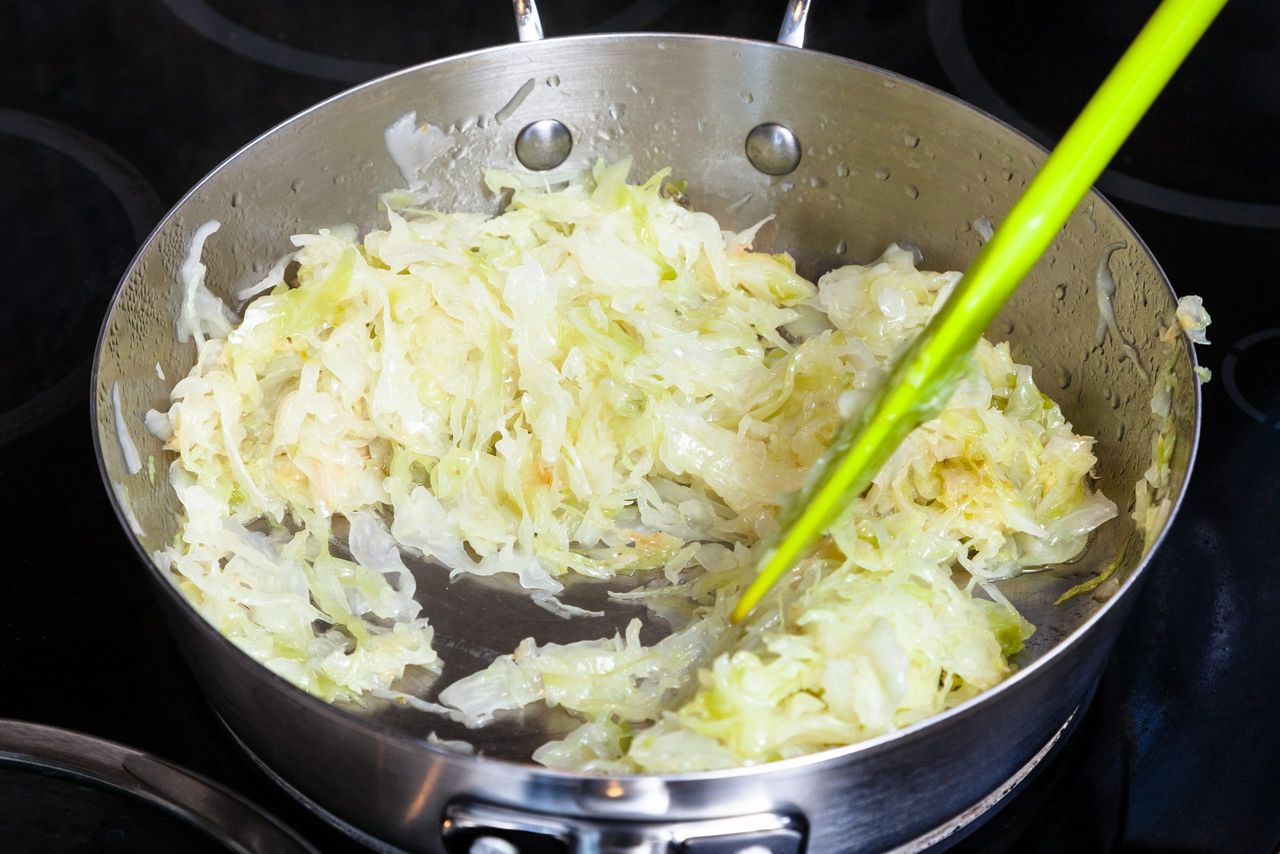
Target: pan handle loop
792,32
528,22
470,826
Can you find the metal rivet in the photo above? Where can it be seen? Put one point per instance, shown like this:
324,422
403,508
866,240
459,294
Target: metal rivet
543,144
773,149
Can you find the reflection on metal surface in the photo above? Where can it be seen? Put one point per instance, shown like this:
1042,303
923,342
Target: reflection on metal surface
492,845
528,21
543,144
793,23
946,33
980,810
774,149
469,823
1230,379
424,793
214,811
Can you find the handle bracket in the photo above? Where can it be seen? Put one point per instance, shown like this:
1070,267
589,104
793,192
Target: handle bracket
528,21
793,24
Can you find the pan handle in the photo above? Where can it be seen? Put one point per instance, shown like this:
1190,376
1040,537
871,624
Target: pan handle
475,827
792,32
529,22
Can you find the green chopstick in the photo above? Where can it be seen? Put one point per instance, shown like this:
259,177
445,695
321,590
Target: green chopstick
923,378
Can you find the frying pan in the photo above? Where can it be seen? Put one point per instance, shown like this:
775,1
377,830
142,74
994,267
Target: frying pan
880,159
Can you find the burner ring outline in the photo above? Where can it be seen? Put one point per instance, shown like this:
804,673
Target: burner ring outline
142,207
945,17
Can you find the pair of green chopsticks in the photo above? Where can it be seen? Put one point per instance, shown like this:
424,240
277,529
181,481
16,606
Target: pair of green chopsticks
923,378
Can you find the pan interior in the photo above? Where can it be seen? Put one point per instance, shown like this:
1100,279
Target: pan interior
883,160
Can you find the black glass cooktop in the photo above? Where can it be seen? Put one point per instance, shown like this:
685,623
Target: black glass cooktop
110,111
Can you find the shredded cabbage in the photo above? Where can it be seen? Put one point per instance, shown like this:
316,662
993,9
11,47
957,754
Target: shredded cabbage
1152,499
599,381
855,654
413,148
1193,318
1105,289
128,450
1152,502
875,632
201,313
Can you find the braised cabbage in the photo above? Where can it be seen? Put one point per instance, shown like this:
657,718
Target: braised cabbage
599,381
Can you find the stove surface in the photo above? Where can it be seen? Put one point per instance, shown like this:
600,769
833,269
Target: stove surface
110,111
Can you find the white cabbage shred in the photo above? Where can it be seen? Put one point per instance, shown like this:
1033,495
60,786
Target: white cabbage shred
599,381
1105,287
201,314
414,147
128,450
1193,318
1153,499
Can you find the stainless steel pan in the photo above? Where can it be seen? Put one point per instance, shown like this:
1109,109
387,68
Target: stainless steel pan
882,159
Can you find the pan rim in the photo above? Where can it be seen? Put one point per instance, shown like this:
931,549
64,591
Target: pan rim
832,756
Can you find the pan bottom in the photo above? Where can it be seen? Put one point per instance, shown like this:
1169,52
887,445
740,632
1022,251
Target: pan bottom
942,837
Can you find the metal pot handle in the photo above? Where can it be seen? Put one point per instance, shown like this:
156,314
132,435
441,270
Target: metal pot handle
792,32
529,22
475,827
